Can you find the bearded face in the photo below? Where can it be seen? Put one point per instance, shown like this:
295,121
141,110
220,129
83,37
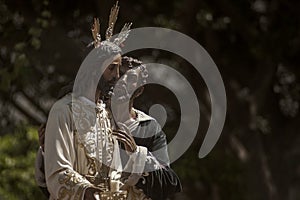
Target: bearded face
109,78
105,86
126,86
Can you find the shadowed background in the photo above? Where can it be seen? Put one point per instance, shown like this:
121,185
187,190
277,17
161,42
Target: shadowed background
255,44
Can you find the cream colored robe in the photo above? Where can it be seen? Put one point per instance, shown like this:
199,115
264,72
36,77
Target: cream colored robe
77,142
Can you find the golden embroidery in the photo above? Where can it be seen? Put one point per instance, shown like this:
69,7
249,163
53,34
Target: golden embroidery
92,133
136,194
69,179
84,115
91,166
64,192
95,136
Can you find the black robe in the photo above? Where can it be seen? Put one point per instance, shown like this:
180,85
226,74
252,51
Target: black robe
162,182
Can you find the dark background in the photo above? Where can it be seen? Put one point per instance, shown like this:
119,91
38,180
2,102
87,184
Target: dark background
254,43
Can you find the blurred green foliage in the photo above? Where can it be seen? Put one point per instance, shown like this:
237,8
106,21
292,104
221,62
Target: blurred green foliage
17,157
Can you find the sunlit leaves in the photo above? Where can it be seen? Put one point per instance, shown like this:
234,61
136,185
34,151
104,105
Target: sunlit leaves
17,156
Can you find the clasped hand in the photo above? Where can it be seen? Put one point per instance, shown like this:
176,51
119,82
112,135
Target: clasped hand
124,136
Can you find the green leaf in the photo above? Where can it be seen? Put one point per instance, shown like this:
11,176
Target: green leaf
21,61
20,46
36,32
46,14
36,43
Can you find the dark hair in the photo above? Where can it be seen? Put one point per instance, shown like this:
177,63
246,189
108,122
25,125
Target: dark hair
129,63
132,63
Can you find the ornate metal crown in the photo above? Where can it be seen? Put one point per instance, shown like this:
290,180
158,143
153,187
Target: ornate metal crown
109,31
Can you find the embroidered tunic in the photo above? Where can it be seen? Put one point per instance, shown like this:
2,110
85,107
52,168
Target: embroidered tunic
80,152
